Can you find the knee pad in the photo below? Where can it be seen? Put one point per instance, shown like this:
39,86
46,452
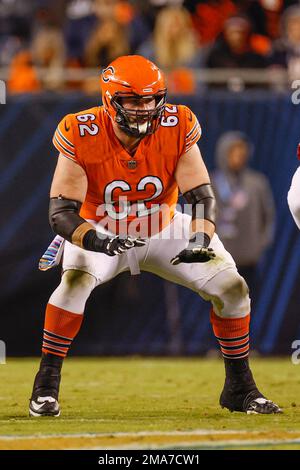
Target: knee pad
237,296
229,294
73,291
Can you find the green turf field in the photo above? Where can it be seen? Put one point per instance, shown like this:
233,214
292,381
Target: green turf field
147,403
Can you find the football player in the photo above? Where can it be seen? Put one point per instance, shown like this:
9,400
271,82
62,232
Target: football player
294,194
112,201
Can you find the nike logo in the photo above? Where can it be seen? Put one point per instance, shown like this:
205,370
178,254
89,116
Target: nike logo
38,406
35,406
67,127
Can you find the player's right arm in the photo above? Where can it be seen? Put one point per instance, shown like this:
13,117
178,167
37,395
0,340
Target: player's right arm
69,179
67,193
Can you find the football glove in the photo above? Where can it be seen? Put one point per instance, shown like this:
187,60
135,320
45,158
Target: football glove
195,252
117,245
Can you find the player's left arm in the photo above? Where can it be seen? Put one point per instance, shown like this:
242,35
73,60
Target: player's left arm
194,183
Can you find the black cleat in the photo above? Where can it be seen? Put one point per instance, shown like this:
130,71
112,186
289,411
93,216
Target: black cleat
241,394
44,406
262,406
44,398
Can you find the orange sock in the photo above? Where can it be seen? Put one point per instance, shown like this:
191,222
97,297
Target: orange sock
232,334
60,329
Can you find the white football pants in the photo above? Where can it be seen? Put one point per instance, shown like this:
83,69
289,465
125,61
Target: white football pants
216,280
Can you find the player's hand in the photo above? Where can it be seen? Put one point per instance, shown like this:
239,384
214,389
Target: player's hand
118,245
194,254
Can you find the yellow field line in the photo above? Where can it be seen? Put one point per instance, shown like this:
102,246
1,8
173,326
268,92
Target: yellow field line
203,444
150,440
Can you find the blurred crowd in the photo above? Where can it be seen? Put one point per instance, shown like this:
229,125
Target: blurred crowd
178,35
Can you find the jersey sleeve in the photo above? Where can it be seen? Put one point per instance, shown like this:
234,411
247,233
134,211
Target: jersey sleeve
63,139
193,129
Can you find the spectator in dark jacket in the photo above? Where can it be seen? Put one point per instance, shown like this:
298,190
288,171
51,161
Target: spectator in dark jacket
233,49
245,204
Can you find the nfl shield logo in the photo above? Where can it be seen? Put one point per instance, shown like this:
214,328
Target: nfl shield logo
132,164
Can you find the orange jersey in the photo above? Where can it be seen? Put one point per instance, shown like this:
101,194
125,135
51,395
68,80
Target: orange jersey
127,191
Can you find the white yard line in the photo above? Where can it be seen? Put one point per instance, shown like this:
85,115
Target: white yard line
195,432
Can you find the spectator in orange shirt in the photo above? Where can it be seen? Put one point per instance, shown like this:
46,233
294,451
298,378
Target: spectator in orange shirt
22,75
209,17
